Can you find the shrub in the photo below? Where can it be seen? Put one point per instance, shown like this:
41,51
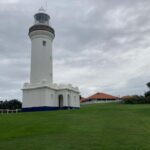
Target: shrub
135,99
148,85
12,104
148,99
147,94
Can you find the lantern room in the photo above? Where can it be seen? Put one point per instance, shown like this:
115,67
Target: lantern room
41,17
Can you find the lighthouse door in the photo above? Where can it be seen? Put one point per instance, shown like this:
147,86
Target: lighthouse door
60,101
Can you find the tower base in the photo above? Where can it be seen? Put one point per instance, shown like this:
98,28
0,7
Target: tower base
43,97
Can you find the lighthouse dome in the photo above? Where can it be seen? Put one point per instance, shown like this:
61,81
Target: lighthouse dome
42,17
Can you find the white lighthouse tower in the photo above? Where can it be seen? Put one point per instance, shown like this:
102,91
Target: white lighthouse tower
41,93
41,35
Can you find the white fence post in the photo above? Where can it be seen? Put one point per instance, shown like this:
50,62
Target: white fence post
7,111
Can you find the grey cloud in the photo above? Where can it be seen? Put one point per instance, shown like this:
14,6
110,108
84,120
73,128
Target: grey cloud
100,45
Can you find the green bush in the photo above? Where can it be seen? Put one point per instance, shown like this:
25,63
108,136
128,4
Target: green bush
147,94
12,104
135,99
148,99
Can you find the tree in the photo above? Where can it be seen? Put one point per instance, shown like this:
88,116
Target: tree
12,104
15,104
148,84
147,94
134,99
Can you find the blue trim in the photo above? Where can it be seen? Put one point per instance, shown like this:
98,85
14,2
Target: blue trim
46,108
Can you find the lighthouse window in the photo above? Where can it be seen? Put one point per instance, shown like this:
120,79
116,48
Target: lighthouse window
41,18
44,43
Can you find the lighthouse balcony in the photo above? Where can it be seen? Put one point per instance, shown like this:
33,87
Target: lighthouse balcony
41,27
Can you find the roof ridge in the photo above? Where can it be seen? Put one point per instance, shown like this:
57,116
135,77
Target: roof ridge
98,94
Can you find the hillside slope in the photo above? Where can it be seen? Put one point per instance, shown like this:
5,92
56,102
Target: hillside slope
95,127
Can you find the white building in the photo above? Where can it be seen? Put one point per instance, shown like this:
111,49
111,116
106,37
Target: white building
41,93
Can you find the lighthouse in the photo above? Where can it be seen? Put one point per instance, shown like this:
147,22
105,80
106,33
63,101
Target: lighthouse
41,93
41,35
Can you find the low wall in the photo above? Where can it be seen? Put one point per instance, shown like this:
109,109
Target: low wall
101,102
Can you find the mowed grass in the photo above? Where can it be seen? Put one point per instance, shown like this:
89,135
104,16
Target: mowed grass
95,127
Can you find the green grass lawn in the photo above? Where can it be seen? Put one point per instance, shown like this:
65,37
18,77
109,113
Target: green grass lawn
95,127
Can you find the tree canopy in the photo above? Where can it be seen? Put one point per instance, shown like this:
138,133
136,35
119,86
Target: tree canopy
12,104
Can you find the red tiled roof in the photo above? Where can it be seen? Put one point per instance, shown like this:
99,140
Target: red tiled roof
82,100
102,96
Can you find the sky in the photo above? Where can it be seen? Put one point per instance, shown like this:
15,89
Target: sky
100,45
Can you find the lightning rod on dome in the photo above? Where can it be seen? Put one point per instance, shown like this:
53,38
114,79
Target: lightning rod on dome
42,8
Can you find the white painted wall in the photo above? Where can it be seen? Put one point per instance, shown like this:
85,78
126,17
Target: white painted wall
41,56
44,96
34,98
51,98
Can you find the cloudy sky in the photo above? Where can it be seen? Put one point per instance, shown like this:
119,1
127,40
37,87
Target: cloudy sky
100,45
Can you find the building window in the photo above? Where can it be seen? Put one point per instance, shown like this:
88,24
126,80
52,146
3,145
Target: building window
44,43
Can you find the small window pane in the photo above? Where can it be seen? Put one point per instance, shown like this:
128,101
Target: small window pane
44,43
